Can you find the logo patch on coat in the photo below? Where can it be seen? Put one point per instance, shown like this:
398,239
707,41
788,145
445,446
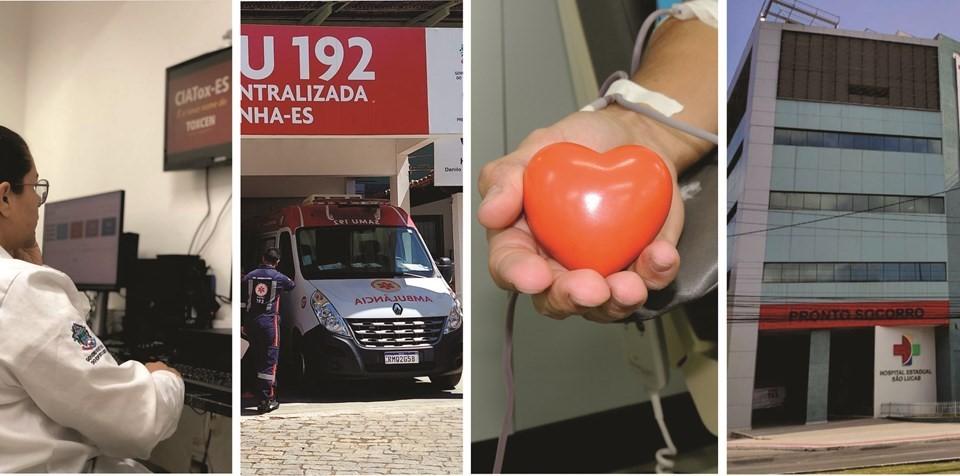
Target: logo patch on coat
83,337
261,290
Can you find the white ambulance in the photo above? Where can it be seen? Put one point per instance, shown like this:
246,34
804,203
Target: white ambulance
369,303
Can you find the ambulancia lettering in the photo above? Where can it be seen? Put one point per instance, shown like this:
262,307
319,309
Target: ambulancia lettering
391,299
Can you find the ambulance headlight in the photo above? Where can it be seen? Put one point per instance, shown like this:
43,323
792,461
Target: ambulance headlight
454,319
327,315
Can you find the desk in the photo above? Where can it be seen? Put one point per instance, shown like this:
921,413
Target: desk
184,451
203,439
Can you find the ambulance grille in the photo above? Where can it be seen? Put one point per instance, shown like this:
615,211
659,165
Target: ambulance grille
397,332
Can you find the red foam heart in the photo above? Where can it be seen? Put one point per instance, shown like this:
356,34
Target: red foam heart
596,211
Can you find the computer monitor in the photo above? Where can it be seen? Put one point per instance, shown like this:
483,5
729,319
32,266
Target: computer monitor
81,237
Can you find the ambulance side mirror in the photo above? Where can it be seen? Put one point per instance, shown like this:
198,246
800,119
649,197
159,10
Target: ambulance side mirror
445,265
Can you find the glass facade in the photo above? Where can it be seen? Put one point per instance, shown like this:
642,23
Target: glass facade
851,140
853,272
849,202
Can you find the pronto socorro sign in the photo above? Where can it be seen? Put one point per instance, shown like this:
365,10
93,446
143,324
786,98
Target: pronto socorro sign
592,210
852,314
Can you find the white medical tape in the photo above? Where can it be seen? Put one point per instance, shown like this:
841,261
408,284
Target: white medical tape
635,93
703,10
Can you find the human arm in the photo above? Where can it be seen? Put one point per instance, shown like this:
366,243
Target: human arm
124,410
681,63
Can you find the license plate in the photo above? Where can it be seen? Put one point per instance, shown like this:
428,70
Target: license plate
392,358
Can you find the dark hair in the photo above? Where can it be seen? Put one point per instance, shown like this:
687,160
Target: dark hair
15,159
272,255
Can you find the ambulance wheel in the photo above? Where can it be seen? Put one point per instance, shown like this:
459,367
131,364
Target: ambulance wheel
445,382
293,366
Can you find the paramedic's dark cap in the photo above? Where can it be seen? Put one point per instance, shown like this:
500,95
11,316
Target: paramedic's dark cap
272,255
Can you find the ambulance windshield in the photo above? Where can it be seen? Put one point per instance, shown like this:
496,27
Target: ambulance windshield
362,252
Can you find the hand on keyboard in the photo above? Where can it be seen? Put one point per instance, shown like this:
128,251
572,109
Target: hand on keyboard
157,366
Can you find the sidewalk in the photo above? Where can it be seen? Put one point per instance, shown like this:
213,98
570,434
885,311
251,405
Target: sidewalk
393,437
845,434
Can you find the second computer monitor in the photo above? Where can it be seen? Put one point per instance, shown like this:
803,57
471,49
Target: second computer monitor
81,237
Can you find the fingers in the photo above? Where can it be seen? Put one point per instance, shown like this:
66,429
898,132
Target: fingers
627,293
572,292
514,262
658,265
673,226
501,186
659,262
501,181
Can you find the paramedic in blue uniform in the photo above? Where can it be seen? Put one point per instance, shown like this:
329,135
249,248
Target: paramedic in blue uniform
264,285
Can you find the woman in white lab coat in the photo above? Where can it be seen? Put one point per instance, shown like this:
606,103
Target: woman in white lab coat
65,404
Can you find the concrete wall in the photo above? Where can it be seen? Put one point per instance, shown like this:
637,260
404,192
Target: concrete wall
443,208
564,369
948,345
356,157
93,95
258,186
895,382
818,377
345,156
751,189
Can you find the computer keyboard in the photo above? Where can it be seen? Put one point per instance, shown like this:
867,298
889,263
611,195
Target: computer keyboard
215,379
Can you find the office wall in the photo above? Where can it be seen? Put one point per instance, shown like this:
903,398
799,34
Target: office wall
13,61
94,101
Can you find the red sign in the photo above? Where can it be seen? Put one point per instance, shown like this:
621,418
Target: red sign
304,80
853,314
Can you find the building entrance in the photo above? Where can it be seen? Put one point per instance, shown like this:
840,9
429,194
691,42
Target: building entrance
850,393
780,385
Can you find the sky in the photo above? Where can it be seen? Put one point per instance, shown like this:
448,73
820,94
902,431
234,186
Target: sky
920,18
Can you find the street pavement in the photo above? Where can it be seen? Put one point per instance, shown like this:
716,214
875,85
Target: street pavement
358,428
840,445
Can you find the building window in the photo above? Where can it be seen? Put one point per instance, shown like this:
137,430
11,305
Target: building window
735,160
853,272
841,69
864,90
849,202
737,103
852,140
732,213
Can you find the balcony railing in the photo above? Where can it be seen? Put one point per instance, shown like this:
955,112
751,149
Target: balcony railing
943,411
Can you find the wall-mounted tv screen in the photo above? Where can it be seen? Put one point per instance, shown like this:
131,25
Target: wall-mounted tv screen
199,113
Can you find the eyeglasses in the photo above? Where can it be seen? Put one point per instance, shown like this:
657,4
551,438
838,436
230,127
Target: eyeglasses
41,187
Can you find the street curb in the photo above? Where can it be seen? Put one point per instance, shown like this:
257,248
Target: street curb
886,465
740,435
827,447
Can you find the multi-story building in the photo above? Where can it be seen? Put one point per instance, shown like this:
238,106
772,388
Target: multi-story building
843,225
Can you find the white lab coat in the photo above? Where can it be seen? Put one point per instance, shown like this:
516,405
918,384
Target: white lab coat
63,398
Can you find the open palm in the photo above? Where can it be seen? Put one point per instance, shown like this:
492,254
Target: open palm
518,263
